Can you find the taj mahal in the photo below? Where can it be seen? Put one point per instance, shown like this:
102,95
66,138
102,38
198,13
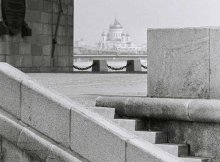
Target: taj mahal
117,39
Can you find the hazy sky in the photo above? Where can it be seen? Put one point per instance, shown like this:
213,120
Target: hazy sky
92,17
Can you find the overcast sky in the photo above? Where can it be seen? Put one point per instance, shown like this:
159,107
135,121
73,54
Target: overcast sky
92,17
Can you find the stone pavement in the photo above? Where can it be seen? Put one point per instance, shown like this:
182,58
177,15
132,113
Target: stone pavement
84,88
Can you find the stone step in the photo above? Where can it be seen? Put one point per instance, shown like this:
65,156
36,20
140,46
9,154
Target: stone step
152,136
175,149
129,124
195,159
108,113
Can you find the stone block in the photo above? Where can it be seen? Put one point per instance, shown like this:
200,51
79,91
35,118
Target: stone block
133,65
27,61
33,16
178,63
47,50
94,141
4,48
12,153
37,147
10,91
45,111
24,49
36,50
62,61
99,66
9,129
2,58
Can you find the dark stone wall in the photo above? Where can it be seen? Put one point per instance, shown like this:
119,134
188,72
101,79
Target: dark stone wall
33,53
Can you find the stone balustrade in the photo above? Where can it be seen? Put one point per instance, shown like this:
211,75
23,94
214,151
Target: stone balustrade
76,133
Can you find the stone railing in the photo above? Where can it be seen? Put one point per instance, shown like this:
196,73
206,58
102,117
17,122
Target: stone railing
192,121
51,123
196,110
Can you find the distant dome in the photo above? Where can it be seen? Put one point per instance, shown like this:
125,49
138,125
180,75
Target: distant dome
116,25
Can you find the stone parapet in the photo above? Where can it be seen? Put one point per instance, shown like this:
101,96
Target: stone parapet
192,121
75,132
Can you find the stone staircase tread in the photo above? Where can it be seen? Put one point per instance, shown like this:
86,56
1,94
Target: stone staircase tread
195,159
108,113
152,136
175,149
129,124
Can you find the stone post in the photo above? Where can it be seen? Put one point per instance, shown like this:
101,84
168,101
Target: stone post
99,66
133,66
184,63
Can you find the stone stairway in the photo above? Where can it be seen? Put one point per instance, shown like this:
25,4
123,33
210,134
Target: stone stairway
158,138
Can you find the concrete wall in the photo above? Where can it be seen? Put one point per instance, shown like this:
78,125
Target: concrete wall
68,125
184,63
33,53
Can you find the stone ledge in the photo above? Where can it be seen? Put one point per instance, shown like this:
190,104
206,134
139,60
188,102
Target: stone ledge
196,110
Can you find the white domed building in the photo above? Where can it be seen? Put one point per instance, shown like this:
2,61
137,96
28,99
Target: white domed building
117,39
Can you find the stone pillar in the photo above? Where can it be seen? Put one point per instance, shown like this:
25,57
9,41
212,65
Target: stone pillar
133,66
33,53
99,66
184,63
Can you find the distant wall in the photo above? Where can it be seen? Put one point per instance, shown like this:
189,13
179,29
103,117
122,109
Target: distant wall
33,53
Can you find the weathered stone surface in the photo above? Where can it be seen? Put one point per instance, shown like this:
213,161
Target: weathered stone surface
41,18
13,154
10,79
214,63
95,142
42,110
136,151
203,138
178,63
9,129
139,107
205,111
33,145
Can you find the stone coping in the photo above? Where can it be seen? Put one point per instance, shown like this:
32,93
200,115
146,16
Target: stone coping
67,124
196,110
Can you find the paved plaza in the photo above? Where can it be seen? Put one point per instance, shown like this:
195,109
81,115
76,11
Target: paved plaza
84,88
